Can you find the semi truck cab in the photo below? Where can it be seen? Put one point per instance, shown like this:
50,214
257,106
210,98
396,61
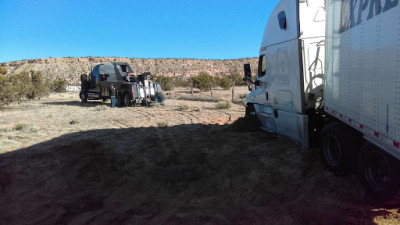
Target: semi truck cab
291,68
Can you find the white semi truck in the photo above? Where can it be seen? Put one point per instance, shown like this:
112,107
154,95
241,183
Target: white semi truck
329,74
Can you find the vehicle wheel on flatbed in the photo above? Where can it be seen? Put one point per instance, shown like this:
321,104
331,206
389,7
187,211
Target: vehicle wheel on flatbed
145,102
160,97
379,173
339,146
127,100
83,97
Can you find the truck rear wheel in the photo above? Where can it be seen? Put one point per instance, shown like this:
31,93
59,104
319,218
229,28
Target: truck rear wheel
339,146
83,97
379,173
160,97
127,100
145,102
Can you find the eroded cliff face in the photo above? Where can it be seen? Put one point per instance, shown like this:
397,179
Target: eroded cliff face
70,68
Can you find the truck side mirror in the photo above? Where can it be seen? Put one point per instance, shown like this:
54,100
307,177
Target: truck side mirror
247,72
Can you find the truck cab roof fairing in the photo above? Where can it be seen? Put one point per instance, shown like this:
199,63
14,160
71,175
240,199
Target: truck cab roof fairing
273,33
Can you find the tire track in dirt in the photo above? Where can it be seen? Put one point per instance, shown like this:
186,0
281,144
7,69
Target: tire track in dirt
220,118
165,137
192,118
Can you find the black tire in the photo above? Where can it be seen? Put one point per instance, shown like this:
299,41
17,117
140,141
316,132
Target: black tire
160,97
339,147
127,100
145,102
83,97
379,173
250,112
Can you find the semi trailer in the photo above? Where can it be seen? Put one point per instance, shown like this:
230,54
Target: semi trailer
329,75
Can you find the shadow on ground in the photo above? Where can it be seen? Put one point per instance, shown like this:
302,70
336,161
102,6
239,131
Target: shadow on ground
78,103
186,174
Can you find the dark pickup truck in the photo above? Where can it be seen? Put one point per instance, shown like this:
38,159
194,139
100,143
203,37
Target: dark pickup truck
130,89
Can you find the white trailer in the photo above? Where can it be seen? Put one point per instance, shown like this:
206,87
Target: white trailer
329,74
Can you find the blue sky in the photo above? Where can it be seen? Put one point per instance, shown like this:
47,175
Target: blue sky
204,29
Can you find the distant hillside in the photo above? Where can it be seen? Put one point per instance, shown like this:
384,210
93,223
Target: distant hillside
71,68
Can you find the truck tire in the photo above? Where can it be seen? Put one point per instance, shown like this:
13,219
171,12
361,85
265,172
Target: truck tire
127,100
379,173
145,102
250,112
339,146
83,97
160,97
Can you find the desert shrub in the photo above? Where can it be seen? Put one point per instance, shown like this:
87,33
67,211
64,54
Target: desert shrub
237,78
167,83
225,82
3,70
181,82
183,107
59,85
204,81
7,90
37,87
25,85
223,104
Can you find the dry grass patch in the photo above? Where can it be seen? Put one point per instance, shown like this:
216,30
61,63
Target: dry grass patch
223,104
183,107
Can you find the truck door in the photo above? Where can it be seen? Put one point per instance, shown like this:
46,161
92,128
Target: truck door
284,85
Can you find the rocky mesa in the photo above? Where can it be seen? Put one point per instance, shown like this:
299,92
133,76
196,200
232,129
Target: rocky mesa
70,68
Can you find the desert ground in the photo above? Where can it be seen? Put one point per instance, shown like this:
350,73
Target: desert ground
67,162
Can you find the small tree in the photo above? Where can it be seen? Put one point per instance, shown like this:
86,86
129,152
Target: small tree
167,83
204,81
17,87
225,82
38,88
59,85
7,90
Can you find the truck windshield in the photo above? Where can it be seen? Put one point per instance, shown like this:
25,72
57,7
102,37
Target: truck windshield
107,69
262,66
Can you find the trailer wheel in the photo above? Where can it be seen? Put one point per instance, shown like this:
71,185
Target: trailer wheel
379,173
127,100
160,97
145,102
83,97
339,146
